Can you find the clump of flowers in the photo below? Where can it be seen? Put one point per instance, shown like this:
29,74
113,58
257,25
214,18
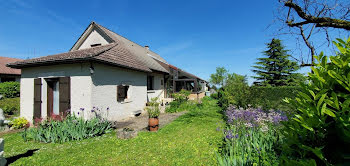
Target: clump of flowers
251,137
253,117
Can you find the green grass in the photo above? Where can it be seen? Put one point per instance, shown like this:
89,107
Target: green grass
191,139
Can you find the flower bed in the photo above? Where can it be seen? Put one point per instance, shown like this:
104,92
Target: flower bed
252,137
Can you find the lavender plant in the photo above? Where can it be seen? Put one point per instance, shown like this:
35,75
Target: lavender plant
251,138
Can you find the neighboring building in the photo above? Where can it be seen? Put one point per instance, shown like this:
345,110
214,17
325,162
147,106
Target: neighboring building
103,71
7,73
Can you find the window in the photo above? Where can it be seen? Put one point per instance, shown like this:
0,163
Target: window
150,81
94,45
122,92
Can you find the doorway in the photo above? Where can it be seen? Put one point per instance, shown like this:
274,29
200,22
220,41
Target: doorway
53,100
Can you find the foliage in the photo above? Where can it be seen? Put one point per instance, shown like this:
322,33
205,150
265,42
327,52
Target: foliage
268,98
10,106
320,130
181,96
153,108
191,139
251,138
71,128
275,69
18,123
10,89
219,77
236,90
180,102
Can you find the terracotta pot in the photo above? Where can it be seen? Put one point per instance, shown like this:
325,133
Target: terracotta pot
153,124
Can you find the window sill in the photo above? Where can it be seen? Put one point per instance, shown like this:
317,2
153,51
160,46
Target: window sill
125,101
151,91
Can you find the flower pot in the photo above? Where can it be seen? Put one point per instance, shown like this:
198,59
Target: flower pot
153,124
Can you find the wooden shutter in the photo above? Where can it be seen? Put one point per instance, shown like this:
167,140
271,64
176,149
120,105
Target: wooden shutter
37,98
64,94
120,93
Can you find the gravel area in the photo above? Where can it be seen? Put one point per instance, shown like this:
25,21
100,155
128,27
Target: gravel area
141,122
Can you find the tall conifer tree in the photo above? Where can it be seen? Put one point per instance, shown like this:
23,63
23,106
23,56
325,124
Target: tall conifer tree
275,68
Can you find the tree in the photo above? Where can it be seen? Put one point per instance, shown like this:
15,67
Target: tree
219,77
275,69
237,90
307,18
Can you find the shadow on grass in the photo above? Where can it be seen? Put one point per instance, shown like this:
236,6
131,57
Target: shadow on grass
12,159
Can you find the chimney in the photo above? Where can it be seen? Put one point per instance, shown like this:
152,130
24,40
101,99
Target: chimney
147,47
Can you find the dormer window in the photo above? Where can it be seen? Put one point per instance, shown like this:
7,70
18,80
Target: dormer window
94,45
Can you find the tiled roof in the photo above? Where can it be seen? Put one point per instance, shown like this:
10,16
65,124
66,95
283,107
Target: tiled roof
146,56
110,53
7,70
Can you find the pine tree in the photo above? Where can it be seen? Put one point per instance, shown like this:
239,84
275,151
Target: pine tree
276,68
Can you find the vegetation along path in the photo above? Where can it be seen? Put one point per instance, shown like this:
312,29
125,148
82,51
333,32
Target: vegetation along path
191,139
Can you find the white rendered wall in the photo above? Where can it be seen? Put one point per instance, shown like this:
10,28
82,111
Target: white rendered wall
104,91
158,88
80,87
93,38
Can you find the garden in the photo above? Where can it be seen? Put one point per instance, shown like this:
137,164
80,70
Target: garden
291,120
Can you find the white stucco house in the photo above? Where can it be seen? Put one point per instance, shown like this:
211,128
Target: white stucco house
102,71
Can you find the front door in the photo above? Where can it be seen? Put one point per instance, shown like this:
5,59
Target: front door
53,101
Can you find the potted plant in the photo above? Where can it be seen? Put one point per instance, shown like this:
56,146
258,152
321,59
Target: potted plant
153,114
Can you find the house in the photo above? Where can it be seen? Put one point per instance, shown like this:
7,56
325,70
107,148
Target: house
103,72
7,73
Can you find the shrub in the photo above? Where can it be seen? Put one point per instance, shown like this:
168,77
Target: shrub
10,106
10,89
320,130
153,108
71,128
180,98
18,123
272,97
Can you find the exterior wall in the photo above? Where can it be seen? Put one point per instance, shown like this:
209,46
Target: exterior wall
93,38
104,91
80,87
159,90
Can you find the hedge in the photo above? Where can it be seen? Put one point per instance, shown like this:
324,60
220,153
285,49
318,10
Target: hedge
10,89
272,97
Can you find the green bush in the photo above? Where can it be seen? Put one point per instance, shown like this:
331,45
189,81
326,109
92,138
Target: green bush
71,128
10,89
320,130
18,123
266,98
272,97
180,102
10,106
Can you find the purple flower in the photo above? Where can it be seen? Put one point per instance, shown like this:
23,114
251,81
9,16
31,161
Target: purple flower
218,129
229,135
78,113
82,109
107,108
92,110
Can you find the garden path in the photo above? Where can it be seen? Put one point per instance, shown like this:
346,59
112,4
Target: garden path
141,122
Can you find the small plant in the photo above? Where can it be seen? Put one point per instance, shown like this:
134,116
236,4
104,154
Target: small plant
10,89
153,108
18,123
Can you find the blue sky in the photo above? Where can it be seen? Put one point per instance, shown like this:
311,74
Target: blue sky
196,36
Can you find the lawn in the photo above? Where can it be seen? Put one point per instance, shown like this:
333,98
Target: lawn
191,139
